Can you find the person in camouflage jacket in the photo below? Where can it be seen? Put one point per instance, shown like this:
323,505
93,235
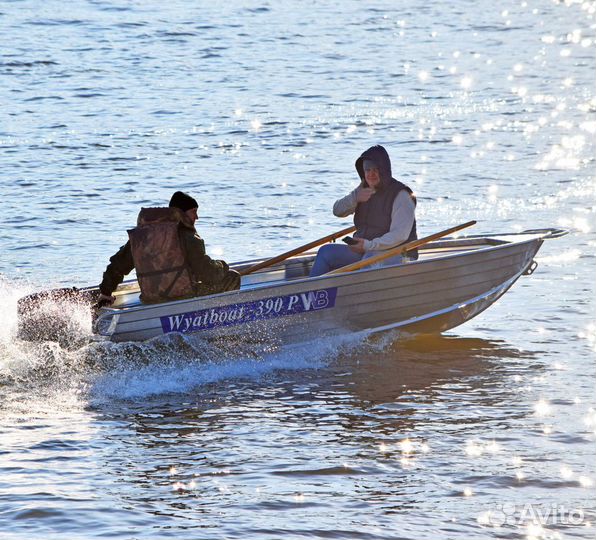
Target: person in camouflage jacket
209,276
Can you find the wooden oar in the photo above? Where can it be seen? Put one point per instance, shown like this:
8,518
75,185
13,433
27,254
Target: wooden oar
305,247
399,250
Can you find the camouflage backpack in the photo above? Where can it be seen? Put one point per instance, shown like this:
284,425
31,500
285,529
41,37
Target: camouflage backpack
159,256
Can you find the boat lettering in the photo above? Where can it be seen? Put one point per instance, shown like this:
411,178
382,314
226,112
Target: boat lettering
266,308
315,299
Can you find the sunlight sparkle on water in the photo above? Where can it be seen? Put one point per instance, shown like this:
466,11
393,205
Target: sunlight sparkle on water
589,334
406,446
493,447
578,223
484,518
564,155
575,36
473,449
582,225
585,482
407,461
534,531
590,418
566,472
466,83
590,127
542,408
563,257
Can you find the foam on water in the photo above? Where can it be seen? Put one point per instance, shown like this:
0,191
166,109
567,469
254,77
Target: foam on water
10,292
180,364
97,372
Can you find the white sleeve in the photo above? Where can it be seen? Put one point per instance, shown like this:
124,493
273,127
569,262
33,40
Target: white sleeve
402,219
346,205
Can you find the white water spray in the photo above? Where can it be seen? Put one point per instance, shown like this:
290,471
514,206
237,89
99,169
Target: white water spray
77,370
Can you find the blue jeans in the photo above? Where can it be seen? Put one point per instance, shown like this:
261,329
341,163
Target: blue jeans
332,256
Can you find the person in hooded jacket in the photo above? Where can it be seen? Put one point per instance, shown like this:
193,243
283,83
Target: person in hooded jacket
194,273
384,215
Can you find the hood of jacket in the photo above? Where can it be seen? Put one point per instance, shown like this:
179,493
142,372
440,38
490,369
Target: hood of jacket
162,215
379,155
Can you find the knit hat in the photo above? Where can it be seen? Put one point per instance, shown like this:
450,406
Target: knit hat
183,201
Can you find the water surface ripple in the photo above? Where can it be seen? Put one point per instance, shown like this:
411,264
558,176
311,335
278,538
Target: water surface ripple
259,110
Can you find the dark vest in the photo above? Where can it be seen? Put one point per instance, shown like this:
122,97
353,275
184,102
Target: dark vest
373,217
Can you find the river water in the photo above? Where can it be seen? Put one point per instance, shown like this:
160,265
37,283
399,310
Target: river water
259,109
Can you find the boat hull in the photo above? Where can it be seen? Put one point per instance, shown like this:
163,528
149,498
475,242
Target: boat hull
430,295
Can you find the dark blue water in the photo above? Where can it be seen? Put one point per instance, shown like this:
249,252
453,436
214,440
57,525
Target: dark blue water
259,110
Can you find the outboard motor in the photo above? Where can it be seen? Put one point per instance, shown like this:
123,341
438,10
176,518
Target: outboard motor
51,315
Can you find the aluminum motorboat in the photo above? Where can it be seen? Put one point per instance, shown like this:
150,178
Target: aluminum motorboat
453,280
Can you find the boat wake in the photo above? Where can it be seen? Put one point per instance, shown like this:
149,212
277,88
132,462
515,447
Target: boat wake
72,369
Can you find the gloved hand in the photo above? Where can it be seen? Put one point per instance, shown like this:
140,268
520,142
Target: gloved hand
105,300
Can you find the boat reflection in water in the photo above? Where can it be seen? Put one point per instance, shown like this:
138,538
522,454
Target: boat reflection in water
366,419
421,363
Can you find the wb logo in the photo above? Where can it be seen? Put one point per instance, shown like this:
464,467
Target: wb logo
315,300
